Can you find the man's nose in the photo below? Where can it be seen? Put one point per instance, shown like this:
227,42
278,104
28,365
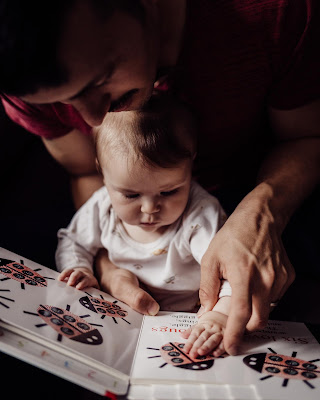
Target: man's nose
93,108
150,206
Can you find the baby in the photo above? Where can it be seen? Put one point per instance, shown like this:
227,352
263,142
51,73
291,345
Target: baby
153,219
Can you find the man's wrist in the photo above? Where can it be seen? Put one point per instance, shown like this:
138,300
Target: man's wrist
264,200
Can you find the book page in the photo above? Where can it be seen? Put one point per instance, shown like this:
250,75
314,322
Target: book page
282,361
90,326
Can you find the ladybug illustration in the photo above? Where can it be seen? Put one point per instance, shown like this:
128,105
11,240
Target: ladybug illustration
173,354
21,273
67,324
285,367
104,307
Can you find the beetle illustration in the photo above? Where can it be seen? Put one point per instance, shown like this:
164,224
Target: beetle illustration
67,324
173,354
104,307
21,273
286,367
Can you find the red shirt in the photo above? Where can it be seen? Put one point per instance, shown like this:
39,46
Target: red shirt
238,57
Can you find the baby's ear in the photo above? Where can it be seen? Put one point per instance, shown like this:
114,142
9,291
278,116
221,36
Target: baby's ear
98,166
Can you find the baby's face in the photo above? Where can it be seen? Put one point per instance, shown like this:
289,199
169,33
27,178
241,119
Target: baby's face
150,198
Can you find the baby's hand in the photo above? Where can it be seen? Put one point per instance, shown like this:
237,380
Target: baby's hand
206,335
80,278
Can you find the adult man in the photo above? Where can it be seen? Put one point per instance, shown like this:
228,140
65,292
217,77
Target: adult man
249,72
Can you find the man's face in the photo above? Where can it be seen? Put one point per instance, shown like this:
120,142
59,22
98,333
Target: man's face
112,64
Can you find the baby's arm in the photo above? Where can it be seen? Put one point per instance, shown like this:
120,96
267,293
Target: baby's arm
81,278
125,286
207,335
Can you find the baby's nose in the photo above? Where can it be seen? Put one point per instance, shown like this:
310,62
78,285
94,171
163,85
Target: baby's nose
150,206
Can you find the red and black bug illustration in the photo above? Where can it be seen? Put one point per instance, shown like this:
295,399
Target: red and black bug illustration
104,307
21,273
173,354
5,298
285,367
67,324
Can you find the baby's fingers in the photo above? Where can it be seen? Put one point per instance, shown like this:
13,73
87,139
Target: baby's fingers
76,278
87,281
186,333
213,342
199,343
193,335
65,274
219,350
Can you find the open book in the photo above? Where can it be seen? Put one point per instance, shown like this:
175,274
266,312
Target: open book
97,342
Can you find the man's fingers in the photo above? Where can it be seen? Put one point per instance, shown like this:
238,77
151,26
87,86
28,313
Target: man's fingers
240,312
285,277
260,312
209,284
261,298
271,290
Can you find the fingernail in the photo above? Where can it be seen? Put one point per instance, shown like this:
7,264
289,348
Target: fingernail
154,309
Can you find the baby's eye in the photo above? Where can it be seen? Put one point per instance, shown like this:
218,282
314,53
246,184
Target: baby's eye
169,193
131,196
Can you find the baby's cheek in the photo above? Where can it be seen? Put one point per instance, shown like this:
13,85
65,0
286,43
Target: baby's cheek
126,213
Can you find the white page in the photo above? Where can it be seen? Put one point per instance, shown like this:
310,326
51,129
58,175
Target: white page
279,339
101,338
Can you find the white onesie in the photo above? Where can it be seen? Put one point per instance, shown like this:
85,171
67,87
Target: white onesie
168,267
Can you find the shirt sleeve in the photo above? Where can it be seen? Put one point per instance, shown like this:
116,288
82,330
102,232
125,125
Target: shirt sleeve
80,241
49,121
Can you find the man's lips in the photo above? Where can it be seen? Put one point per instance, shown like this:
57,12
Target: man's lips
124,102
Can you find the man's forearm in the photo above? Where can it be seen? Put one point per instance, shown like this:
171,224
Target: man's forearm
288,176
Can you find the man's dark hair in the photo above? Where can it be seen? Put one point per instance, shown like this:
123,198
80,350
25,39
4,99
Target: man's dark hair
30,32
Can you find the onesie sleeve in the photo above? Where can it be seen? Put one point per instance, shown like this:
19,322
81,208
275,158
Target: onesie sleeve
204,218
80,241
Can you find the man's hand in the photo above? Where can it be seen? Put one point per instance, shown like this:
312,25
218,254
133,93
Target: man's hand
249,253
123,285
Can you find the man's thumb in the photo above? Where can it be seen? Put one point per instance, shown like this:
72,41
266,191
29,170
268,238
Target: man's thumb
208,294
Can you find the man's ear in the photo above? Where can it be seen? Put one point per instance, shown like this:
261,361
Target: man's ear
98,166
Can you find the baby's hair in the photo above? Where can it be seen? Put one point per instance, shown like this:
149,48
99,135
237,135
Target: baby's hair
161,134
